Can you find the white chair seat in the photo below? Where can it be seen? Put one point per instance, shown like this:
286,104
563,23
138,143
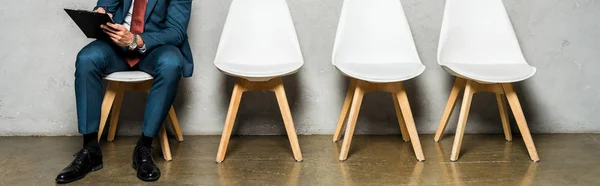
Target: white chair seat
383,72
478,42
374,42
492,73
129,76
258,72
259,41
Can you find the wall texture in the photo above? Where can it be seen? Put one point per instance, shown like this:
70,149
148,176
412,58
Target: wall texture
38,44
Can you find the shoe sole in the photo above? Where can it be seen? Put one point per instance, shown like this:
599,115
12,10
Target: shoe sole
144,179
63,181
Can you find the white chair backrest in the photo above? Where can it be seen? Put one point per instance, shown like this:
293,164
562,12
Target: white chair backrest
478,32
259,32
374,31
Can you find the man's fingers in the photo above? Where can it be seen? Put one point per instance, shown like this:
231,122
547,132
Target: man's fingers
101,10
108,26
116,26
115,40
117,36
118,41
113,35
110,30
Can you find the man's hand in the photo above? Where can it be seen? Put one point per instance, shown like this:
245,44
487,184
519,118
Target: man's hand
118,34
101,10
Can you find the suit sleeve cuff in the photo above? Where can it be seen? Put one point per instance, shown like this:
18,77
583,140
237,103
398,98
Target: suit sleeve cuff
148,44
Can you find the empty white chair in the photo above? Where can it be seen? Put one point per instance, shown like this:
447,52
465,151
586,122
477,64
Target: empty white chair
478,45
374,46
118,84
259,45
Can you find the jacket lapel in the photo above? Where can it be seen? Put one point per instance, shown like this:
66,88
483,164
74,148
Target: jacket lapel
149,8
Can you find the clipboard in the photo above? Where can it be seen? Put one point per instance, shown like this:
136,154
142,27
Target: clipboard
89,22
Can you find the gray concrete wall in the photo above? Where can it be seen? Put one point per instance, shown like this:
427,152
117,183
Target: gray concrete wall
38,44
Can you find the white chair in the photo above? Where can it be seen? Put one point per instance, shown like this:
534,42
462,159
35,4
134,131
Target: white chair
374,46
259,45
479,46
118,84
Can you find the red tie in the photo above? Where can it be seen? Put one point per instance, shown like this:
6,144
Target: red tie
137,25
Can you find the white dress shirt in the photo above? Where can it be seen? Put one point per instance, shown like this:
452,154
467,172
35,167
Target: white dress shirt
127,23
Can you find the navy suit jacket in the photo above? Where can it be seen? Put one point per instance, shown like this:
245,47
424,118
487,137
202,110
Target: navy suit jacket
166,24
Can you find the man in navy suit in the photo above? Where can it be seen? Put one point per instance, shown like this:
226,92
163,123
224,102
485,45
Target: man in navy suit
150,36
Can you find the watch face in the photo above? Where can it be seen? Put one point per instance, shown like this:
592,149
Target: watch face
133,45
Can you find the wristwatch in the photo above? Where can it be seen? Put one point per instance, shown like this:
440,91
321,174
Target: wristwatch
133,45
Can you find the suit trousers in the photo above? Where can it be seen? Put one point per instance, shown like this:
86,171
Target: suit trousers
100,58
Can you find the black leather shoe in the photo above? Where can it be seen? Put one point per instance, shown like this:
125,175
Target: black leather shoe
87,160
144,164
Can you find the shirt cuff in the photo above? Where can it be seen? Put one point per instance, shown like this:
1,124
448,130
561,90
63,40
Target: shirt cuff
142,49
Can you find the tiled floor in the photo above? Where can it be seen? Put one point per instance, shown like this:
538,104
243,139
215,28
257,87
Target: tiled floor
566,159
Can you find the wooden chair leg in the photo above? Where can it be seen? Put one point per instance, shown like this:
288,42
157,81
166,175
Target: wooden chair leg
345,109
352,117
459,83
114,119
515,106
287,119
401,122
234,104
504,116
410,122
462,120
175,124
164,144
107,102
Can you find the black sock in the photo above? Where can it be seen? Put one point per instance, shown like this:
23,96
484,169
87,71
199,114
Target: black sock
145,141
91,140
